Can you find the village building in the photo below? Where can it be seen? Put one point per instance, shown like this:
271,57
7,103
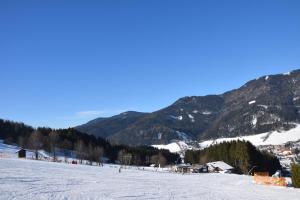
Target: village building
197,168
182,168
287,153
219,167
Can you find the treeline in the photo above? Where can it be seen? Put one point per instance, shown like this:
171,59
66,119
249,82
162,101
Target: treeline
85,147
242,155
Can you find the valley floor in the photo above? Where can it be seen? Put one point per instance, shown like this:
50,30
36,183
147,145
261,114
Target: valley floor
29,179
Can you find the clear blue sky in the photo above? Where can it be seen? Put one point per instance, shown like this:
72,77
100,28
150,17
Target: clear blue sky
66,62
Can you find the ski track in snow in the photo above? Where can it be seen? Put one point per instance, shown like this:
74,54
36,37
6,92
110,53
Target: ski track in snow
28,179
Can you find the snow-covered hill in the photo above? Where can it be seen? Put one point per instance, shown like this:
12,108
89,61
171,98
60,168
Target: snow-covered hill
8,149
28,179
270,138
174,147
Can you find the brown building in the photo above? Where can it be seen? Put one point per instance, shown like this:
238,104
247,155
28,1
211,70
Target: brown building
21,153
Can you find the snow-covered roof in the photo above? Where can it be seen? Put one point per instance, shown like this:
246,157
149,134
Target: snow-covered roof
220,164
183,165
251,102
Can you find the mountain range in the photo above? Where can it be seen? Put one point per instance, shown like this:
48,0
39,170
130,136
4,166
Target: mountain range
265,104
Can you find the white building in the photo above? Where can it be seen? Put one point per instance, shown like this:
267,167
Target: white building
219,166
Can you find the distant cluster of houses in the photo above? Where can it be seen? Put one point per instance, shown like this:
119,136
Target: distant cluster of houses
286,153
287,149
211,167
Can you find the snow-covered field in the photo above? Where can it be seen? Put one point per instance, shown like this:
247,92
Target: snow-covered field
29,179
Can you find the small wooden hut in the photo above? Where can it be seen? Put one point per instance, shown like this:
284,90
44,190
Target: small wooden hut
21,153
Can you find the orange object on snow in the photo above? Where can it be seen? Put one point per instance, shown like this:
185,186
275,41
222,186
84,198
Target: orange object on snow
264,179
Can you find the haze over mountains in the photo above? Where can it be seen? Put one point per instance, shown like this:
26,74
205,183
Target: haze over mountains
261,105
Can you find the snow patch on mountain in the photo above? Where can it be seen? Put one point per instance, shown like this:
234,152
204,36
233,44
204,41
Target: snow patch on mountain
159,136
206,113
263,106
191,117
183,136
251,102
254,120
177,118
174,147
173,117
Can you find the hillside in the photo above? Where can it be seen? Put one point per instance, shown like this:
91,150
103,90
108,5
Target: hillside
104,127
87,147
265,104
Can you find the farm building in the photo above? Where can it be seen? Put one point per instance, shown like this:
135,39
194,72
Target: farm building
21,153
182,168
219,166
199,168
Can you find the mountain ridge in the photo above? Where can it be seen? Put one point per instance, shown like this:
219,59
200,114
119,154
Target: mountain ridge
264,104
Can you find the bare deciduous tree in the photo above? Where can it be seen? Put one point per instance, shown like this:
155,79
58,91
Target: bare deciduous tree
203,159
124,158
53,139
80,150
22,142
66,145
90,153
35,142
158,160
98,153
162,160
147,160
154,160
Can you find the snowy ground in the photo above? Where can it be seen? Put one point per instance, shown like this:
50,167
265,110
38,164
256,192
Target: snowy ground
29,179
